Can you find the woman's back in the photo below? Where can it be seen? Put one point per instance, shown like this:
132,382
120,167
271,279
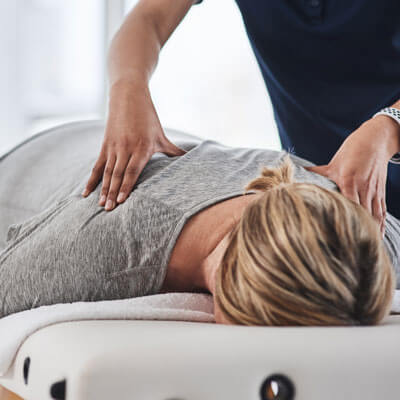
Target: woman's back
63,247
48,167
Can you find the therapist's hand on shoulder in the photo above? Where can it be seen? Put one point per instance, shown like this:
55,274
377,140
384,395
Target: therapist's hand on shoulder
359,167
133,134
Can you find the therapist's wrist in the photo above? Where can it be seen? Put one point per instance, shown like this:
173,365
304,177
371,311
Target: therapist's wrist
126,91
389,132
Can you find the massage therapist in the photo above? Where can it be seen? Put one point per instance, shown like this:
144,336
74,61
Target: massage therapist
329,66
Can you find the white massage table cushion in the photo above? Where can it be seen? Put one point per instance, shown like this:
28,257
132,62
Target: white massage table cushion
172,360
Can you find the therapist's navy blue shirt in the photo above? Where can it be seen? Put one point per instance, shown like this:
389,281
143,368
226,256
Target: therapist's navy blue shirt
328,65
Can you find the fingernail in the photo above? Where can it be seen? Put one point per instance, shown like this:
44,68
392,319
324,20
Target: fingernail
120,197
109,204
102,199
85,192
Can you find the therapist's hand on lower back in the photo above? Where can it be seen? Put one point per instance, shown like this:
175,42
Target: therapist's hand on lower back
133,134
133,131
359,168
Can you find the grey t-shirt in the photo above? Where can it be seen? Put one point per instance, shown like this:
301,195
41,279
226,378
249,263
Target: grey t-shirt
59,247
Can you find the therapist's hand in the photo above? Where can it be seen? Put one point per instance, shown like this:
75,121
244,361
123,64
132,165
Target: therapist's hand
133,134
359,168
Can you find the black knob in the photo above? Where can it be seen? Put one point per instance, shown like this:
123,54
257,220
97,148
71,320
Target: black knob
277,387
58,390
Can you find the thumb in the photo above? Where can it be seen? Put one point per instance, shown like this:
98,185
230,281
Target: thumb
172,150
318,169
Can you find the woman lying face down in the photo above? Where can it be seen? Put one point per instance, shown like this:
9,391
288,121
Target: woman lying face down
293,254
283,248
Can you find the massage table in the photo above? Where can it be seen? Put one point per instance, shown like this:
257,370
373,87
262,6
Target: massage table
180,360
172,356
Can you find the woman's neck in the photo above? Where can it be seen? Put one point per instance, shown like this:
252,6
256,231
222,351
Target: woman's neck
197,249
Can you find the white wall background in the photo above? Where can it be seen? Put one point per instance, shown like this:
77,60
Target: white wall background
11,126
52,69
51,64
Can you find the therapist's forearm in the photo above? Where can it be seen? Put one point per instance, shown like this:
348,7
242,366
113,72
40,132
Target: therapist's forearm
134,51
135,48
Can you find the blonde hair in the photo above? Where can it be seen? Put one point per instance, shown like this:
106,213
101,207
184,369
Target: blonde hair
303,255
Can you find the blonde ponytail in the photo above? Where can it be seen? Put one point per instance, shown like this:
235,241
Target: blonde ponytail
271,177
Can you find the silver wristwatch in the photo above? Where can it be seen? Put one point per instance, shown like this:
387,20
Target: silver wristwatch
393,113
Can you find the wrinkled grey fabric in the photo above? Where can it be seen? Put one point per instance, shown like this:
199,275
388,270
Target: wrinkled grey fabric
58,247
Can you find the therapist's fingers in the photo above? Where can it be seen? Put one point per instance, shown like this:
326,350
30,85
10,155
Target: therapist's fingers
319,169
349,190
134,168
96,175
384,210
377,212
108,170
116,179
366,195
379,209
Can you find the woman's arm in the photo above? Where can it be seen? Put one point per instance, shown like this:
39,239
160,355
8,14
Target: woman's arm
133,131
